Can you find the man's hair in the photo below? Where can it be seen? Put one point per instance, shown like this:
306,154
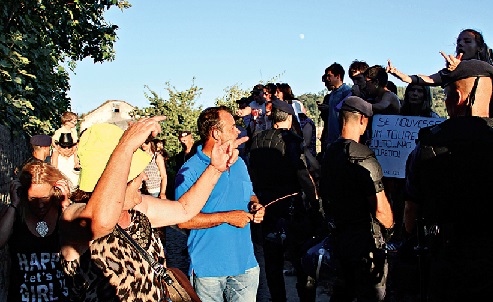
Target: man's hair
37,148
257,88
348,116
209,120
336,69
271,88
377,72
278,115
391,87
357,66
68,116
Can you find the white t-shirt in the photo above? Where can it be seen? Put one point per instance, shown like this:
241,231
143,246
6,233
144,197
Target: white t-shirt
66,166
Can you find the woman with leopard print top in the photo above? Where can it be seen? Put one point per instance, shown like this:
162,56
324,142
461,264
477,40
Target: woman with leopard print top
103,267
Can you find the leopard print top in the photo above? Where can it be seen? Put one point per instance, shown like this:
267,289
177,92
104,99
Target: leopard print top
112,270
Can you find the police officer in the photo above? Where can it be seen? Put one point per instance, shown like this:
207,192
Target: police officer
353,194
41,151
448,184
278,170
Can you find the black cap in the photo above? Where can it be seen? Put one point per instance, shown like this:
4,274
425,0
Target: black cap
184,133
357,104
466,69
65,140
42,140
283,106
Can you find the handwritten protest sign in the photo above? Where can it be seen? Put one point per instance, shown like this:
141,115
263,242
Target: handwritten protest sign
394,137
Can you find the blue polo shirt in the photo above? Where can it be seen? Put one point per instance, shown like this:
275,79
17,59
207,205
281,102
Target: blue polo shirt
223,250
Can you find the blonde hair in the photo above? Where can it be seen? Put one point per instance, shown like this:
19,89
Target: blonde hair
39,173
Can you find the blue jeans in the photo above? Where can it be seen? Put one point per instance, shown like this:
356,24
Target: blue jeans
239,288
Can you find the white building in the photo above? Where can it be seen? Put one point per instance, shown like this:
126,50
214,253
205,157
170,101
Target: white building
112,112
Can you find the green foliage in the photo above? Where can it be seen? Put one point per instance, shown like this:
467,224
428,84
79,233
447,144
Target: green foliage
180,113
310,100
231,95
438,101
37,39
401,90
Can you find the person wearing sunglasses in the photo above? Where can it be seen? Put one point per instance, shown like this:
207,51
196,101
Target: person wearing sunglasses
69,123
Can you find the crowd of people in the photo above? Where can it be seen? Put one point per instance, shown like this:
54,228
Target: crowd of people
254,192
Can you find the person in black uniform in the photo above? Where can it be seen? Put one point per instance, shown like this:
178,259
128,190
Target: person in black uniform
448,184
277,170
41,151
353,195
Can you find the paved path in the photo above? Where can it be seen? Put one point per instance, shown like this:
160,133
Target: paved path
177,256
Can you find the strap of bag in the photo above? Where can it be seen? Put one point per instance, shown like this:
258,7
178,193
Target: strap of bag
158,268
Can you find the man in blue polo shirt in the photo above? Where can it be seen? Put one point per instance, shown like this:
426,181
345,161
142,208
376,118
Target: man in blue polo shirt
222,261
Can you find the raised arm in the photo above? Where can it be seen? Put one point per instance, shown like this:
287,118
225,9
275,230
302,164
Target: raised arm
105,206
167,212
431,80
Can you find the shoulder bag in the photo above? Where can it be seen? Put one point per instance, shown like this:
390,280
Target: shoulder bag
178,287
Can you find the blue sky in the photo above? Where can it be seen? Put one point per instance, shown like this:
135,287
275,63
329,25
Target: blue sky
222,43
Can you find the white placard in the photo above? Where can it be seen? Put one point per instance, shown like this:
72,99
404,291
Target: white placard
394,138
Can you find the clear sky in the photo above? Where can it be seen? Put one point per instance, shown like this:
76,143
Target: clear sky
227,42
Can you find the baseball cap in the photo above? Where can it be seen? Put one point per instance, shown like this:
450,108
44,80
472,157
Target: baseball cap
95,148
42,140
283,106
357,104
466,69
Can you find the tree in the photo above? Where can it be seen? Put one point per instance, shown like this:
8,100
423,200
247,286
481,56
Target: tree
438,101
310,100
39,40
232,94
180,113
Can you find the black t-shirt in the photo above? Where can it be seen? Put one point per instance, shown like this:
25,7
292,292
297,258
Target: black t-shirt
36,272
